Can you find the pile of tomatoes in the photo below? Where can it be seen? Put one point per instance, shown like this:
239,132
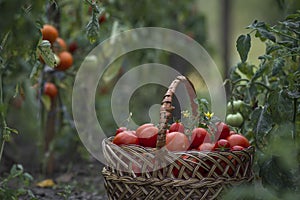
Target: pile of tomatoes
218,138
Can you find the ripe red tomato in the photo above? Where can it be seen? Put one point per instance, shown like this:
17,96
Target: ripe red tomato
102,19
238,139
142,127
50,89
237,148
222,132
120,129
199,135
73,46
148,136
126,137
176,127
222,145
206,147
176,141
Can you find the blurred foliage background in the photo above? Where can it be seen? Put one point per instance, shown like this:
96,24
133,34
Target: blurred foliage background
214,24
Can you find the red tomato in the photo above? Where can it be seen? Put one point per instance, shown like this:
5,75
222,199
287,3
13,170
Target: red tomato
206,147
176,141
237,148
199,135
222,145
50,89
142,127
222,132
239,140
148,136
126,137
121,129
177,127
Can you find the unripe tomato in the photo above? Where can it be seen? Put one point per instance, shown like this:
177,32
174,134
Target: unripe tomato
177,127
126,137
234,106
222,132
50,89
148,136
177,141
237,139
198,137
235,120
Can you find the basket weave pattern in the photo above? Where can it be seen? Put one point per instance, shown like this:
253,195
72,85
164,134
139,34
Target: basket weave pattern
136,172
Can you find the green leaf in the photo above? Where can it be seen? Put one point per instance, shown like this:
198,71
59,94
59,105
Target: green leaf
3,42
243,45
281,107
35,70
274,176
262,123
246,69
262,31
234,75
265,34
45,51
93,27
46,102
15,131
262,68
272,47
16,170
278,64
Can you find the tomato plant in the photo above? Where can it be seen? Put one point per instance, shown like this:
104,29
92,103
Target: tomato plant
270,94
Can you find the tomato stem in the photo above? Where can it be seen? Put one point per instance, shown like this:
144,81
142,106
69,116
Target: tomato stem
3,121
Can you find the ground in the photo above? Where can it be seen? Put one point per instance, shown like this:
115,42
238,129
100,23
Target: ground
83,181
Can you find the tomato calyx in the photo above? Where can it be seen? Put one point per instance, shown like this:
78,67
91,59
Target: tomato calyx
222,145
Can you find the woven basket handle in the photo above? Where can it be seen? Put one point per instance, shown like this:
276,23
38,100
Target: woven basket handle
167,108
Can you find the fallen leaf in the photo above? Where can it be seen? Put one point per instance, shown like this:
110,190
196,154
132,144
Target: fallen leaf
46,183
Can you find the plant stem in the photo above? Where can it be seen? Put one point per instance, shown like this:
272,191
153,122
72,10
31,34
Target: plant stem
294,119
3,122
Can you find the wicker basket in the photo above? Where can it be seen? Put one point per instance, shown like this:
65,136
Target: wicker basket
136,172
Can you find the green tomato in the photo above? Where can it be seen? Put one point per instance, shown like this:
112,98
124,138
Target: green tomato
235,120
234,106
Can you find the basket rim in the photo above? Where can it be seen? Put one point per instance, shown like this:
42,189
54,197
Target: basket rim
108,141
